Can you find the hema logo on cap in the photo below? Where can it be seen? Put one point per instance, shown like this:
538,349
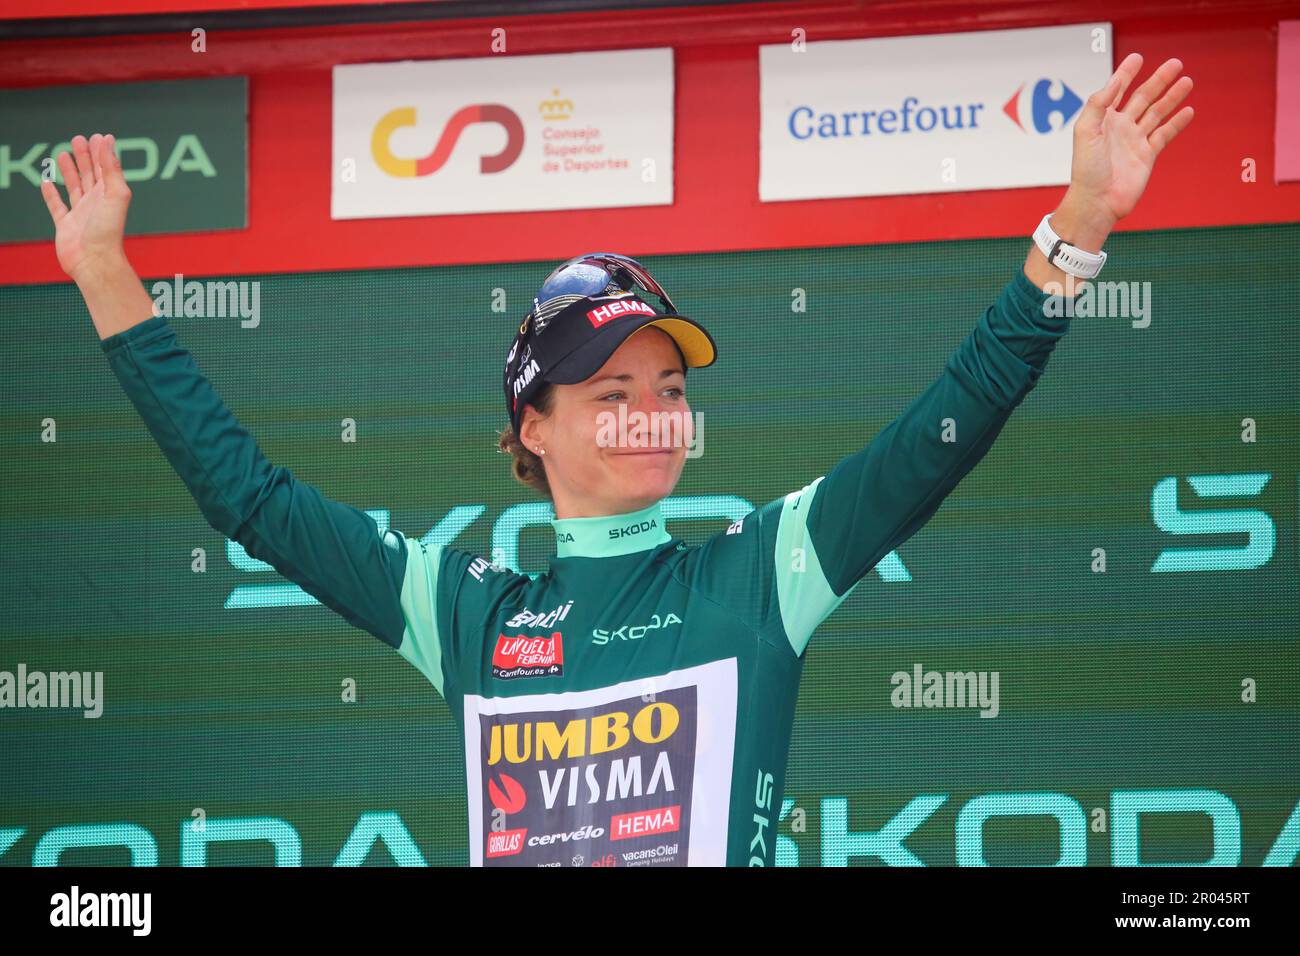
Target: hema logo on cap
612,310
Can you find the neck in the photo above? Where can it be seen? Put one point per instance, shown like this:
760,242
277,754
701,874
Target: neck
608,535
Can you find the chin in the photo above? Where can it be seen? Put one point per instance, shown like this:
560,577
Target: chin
648,480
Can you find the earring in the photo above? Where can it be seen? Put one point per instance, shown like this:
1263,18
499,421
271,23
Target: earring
541,451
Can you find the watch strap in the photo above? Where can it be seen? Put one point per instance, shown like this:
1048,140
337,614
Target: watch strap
1077,262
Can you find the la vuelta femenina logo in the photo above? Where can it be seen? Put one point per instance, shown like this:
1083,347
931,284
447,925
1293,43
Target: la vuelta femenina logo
524,656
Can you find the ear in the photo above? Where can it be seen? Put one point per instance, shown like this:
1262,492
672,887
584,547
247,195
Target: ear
533,428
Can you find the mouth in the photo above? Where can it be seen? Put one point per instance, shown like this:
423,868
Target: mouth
647,453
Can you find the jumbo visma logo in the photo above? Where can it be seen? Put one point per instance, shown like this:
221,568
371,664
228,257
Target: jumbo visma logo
545,742
582,761
506,793
1034,108
402,167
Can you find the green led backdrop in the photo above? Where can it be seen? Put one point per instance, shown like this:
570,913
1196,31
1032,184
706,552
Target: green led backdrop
1120,693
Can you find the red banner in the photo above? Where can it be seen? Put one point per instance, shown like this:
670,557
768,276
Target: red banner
62,9
1231,55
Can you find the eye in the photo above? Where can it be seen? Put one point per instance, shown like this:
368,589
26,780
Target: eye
677,392
610,395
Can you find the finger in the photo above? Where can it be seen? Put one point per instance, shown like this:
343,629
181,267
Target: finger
71,178
50,193
1154,116
1097,103
1128,69
1152,89
81,150
97,156
1095,107
113,178
1162,137
93,148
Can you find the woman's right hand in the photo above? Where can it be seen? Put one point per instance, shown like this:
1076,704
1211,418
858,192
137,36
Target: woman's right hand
88,237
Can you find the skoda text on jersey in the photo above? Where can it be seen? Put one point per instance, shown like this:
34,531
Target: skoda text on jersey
632,705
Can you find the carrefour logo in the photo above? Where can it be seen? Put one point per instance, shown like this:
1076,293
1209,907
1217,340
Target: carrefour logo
404,116
1041,105
806,122
1030,108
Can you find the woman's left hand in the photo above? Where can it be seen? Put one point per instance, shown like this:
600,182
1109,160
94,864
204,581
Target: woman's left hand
1115,149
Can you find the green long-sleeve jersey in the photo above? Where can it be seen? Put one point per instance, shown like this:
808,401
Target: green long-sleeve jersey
631,705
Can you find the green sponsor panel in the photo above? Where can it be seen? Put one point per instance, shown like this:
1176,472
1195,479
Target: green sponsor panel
183,146
1140,715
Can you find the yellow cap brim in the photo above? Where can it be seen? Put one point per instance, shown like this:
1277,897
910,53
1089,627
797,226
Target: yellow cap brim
697,348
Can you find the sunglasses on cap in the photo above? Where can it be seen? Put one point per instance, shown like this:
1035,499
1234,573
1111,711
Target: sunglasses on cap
587,275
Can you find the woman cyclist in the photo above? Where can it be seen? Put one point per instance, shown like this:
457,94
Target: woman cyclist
632,705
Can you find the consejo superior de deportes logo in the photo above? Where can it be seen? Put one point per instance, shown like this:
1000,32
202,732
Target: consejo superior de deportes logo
404,116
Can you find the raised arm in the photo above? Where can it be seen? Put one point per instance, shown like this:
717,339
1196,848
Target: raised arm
334,551
841,525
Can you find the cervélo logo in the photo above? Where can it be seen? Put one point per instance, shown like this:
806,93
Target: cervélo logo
523,656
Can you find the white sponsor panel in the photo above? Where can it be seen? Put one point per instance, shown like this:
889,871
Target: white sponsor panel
503,134
993,109
594,777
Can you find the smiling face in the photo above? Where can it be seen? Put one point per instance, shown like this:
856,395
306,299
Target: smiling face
594,466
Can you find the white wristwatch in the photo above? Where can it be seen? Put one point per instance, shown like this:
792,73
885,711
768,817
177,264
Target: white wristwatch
1067,258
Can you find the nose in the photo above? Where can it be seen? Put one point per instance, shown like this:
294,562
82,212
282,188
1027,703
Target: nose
662,422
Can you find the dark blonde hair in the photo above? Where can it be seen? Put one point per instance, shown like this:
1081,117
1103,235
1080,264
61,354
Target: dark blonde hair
524,465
